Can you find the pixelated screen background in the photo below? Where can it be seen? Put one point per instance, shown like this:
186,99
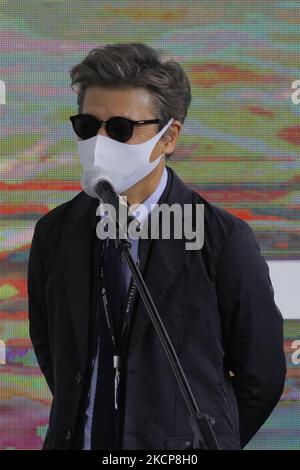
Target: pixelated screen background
239,147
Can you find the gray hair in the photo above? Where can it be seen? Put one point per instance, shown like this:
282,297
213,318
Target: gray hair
130,65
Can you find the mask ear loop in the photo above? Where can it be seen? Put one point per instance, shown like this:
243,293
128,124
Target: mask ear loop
164,154
167,130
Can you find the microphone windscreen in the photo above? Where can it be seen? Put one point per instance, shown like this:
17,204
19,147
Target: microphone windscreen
91,178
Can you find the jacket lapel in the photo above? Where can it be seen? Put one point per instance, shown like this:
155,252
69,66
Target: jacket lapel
77,249
164,262
160,261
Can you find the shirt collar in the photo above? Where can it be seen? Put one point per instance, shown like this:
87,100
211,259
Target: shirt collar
141,213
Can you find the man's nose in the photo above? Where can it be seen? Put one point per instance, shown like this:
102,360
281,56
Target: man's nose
102,130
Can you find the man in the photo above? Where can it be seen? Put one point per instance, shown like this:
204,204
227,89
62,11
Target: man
216,302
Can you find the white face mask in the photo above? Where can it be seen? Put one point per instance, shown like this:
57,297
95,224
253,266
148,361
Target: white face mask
122,164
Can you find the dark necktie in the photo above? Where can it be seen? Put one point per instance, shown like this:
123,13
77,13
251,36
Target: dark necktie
104,413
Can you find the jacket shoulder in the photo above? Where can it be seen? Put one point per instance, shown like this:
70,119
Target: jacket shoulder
218,223
56,217
220,226
218,218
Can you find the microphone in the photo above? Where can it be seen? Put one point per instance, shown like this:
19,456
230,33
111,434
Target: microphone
96,185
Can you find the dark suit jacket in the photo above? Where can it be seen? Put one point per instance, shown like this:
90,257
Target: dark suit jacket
217,304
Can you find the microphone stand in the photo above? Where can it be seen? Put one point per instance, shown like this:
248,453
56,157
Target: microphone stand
204,437
201,423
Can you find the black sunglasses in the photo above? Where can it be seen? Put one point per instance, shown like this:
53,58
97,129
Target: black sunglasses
117,127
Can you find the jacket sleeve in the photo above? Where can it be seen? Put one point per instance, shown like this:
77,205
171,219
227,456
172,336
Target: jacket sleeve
252,328
37,309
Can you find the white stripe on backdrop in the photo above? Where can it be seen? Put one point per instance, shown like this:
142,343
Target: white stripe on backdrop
285,277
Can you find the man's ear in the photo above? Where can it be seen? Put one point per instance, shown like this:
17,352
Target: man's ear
172,132
171,136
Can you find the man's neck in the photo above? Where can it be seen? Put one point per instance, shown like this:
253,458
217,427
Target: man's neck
144,188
